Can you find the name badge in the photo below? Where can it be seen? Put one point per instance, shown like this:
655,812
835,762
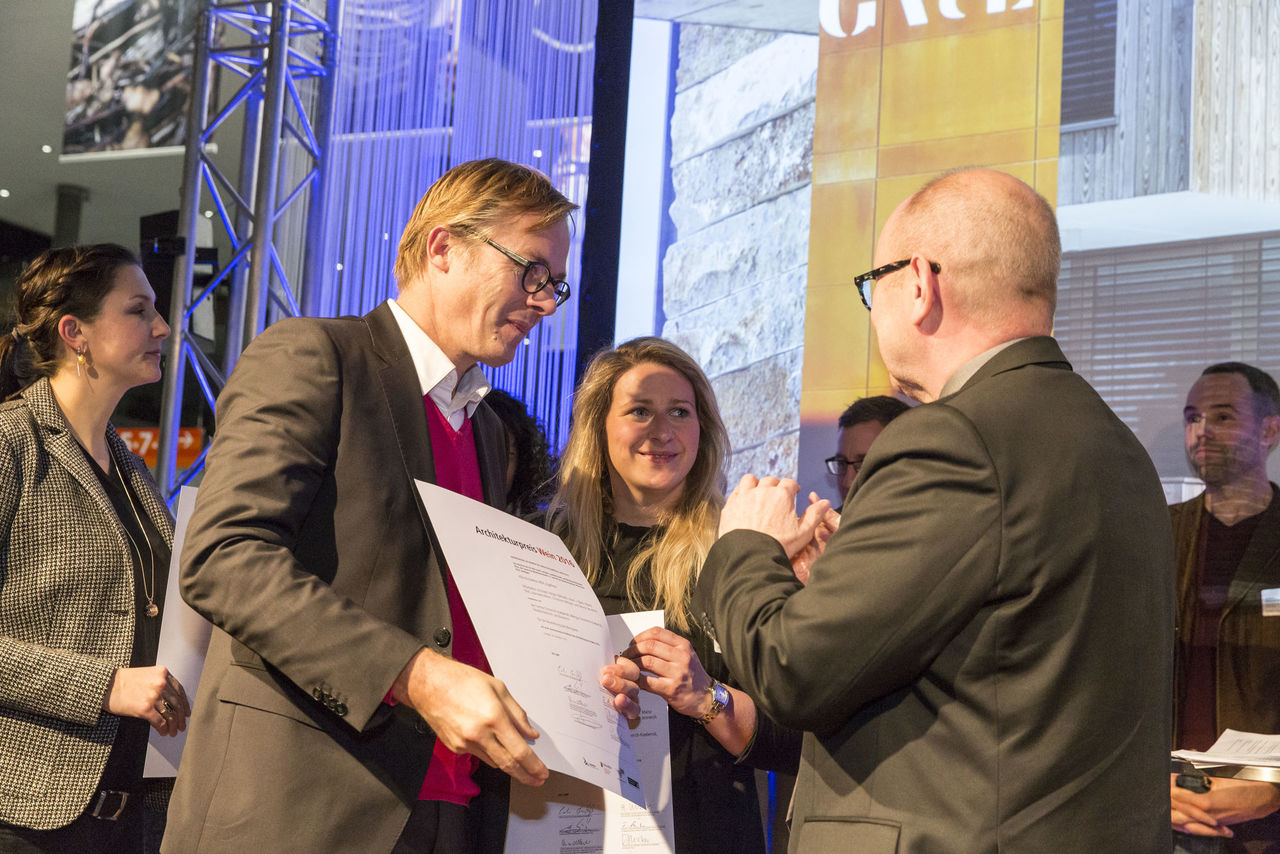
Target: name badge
1271,602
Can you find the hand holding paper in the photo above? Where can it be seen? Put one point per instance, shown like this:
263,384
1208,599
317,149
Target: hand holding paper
543,632
147,692
677,675
623,679
471,712
569,815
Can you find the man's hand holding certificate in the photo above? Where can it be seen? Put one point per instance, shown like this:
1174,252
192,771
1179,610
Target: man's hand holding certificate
471,712
546,638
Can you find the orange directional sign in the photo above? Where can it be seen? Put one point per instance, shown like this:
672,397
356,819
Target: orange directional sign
145,442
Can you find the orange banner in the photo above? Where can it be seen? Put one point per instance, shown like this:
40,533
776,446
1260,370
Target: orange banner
908,89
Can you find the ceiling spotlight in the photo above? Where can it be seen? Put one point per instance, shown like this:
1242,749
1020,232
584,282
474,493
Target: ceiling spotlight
4,194
46,148
208,214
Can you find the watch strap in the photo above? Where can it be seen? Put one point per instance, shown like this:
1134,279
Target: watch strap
719,699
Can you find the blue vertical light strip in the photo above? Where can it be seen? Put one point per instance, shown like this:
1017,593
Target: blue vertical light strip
422,85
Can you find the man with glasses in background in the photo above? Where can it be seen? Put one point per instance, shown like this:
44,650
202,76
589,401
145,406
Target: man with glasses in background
346,704
981,658
859,425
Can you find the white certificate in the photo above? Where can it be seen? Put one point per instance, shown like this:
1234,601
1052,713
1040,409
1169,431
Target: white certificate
543,632
567,815
184,639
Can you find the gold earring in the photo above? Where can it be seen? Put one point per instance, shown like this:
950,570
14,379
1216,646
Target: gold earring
79,358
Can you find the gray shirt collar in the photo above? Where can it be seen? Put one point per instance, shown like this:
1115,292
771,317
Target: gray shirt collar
966,371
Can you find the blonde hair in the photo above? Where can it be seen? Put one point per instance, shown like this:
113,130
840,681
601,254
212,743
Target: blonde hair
583,500
470,199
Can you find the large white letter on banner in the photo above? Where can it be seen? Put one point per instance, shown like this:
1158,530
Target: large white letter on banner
829,18
915,13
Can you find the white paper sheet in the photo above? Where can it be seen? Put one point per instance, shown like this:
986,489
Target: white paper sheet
569,816
1237,748
184,640
543,632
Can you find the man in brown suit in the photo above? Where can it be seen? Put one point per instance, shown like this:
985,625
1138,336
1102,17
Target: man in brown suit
346,692
1227,544
981,657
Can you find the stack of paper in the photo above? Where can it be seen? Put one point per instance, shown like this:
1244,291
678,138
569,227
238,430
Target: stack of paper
1237,748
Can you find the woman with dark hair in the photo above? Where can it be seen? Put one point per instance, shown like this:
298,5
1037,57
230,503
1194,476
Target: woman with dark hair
640,491
85,540
529,463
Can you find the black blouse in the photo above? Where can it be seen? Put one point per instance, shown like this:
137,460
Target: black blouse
129,751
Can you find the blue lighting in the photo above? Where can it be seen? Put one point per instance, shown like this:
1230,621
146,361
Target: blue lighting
422,87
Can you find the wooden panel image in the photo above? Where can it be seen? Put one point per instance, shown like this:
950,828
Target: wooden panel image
1144,148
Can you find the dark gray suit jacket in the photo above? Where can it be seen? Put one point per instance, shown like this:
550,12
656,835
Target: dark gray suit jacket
982,656
309,551
66,609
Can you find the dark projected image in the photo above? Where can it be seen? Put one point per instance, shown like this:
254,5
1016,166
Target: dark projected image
130,75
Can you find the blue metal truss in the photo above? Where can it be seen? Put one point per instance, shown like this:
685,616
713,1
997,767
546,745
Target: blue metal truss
270,47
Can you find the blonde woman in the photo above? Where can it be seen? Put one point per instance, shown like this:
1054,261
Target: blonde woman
640,491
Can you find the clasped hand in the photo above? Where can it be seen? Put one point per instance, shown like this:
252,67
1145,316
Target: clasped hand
768,505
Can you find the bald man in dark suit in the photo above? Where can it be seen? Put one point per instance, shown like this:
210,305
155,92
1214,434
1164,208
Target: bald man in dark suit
981,657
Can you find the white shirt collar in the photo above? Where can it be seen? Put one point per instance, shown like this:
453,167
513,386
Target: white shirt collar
456,399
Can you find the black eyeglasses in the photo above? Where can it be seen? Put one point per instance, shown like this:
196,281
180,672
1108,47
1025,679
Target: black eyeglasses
536,275
863,282
837,464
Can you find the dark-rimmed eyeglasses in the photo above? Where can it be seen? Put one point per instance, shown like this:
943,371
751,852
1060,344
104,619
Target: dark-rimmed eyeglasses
536,276
863,282
837,465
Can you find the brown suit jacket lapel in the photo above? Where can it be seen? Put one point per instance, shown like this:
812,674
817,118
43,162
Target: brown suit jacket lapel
403,394
1263,550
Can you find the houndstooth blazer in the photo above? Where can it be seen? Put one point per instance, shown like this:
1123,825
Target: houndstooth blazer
66,609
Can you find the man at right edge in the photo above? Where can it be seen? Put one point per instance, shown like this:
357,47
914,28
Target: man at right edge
1227,547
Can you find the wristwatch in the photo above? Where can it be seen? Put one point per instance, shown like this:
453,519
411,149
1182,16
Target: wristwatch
719,699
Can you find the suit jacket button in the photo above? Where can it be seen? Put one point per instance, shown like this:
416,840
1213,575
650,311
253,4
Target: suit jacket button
443,637
422,728
317,693
340,709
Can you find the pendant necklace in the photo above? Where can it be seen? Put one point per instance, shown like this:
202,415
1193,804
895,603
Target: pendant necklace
152,609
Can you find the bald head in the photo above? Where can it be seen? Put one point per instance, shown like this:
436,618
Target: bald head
996,239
